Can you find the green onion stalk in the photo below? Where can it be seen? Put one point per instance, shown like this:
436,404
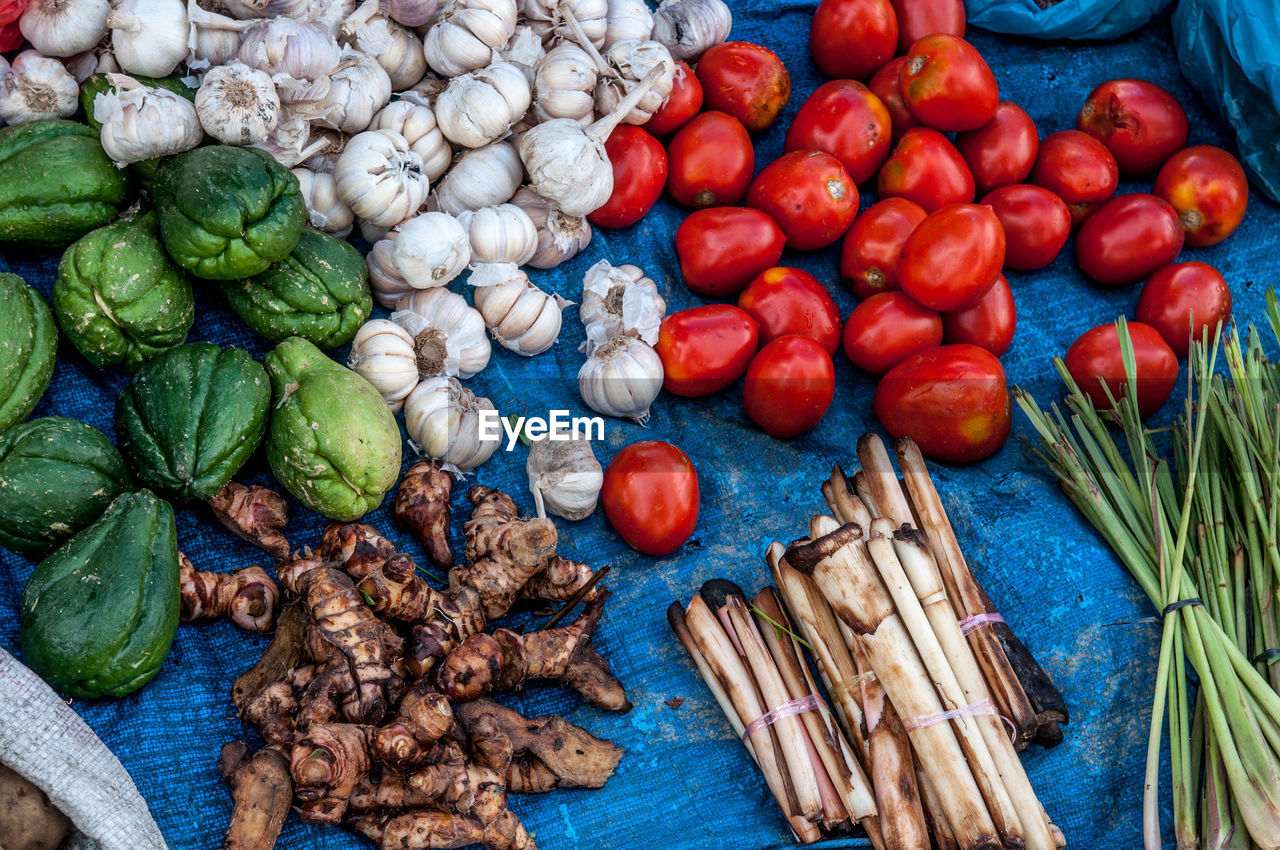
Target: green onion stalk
1195,518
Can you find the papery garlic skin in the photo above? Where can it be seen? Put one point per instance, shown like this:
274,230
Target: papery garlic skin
290,141
627,20
358,88
395,47
214,38
442,418
325,209
448,334
634,60
382,353
521,317
480,107
619,301
621,378
689,27
64,27
238,105
565,477
143,123
560,237
483,177
547,18
385,281
410,13
84,65
566,166
303,51
431,249
564,85
467,34
500,234
373,233
149,37
524,50
380,178
417,123
36,87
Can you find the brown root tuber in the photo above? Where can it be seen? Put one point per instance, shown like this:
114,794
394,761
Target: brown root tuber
420,830
327,764
457,616
274,709
255,514
283,653
560,581
390,791
422,719
247,597
505,551
262,790
397,592
357,548
294,569
589,674
422,507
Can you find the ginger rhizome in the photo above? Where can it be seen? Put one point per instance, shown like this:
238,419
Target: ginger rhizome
248,597
422,506
255,514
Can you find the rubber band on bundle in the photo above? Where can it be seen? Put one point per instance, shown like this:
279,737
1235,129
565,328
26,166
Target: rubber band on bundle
787,709
983,706
975,621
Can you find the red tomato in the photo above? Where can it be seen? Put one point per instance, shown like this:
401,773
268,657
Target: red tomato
885,86
1128,239
846,120
650,495
953,257
1036,224
745,80
869,256
1207,186
988,324
721,249
1095,358
809,194
639,173
1139,122
681,105
705,349
947,84
850,39
952,400
1077,168
1002,151
711,161
886,329
789,386
926,168
1179,294
792,301
918,18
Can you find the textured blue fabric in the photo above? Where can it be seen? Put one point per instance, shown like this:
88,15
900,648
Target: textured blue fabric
685,781
1092,20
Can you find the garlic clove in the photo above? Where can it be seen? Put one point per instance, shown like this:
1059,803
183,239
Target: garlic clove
384,279
431,249
521,317
627,20
564,85
380,178
633,61
482,177
358,88
417,123
480,107
500,234
467,33
325,209
382,353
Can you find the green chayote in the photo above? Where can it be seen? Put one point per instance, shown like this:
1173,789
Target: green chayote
28,349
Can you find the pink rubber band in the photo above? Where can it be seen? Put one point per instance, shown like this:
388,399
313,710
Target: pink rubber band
975,621
787,709
981,707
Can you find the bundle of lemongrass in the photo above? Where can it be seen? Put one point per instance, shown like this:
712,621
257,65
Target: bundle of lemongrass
1197,524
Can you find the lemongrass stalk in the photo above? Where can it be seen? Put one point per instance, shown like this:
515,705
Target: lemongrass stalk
844,503
882,481
676,618
934,814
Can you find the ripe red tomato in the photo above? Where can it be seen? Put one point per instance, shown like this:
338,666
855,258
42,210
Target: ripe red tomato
1095,358
721,249
952,400
850,39
926,168
988,324
650,495
705,349
745,80
886,329
681,105
789,386
1036,224
869,256
1128,239
947,85
1139,122
918,18
1207,186
809,194
884,84
792,301
1002,151
712,161
952,257
1077,168
639,173
1177,295
846,120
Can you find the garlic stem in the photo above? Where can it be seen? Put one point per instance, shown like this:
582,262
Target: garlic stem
601,129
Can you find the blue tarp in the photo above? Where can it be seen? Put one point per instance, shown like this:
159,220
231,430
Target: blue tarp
685,781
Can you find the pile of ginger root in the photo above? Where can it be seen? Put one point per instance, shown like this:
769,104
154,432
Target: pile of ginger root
372,697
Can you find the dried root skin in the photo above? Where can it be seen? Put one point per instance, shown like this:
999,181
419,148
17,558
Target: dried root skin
504,551
327,764
248,597
559,581
422,719
346,622
589,674
273,711
422,507
458,615
262,790
292,572
283,654
256,515
428,830
357,548
397,592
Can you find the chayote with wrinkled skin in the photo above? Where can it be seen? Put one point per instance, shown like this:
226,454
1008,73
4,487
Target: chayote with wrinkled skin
192,417
28,349
228,212
332,440
320,292
119,298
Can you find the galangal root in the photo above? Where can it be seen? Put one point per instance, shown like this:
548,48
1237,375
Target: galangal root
262,790
248,597
422,507
255,514
505,551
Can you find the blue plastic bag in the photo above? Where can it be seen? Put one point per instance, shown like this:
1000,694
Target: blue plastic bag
1229,51
1101,20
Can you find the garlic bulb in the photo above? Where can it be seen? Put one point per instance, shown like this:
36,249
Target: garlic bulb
380,178
289,142
443,419
478,108
621,378
149,37
633,60
467,33
564,477
549,18
324,146
483,177
410,13
237,104
372,233
417,123
560,237
37,87
384,279
382,353
619,301
520,316
214,39
325,209
303,51
627,20
64,27
140,123
396,48
564,85
431,249
689,27
524,50
500,234
448,334
358,88
317,10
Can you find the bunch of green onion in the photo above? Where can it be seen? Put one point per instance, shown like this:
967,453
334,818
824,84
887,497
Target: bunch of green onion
1194,514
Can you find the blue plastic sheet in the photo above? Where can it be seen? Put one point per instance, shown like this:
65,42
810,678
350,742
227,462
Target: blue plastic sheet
685,781
1092,20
